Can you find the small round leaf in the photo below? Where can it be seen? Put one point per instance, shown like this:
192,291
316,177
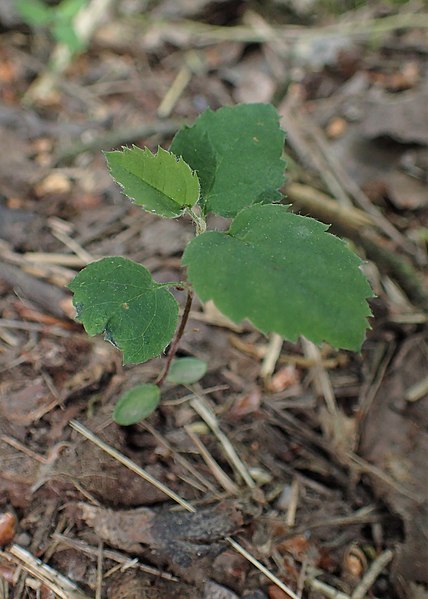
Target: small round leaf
185,371
136,404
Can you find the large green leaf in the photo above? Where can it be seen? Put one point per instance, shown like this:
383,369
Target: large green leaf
246,143
194,146
159,182
285,273
119,298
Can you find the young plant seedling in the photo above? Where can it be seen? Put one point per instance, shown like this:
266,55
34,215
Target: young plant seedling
58,20
283,272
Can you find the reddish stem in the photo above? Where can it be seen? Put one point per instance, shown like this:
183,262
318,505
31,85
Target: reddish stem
173,349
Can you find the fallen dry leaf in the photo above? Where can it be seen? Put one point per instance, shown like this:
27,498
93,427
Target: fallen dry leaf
212,590
132,584
245,404
286,377
179,538
299,547
7,528
101,476
395,439
54,183
402,117
7,573
275,593
25,402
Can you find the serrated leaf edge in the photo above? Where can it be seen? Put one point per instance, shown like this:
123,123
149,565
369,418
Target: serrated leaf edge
148,152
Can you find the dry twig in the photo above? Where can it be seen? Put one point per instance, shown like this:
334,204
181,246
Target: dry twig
123,561
178,457
271,356
53,580
372,573
200,405
219,474
325,589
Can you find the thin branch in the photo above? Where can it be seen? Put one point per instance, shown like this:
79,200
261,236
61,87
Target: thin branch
201,407
62,586
273,351
219,474
372,573
113,139
325,589
173,349
124,561
199,221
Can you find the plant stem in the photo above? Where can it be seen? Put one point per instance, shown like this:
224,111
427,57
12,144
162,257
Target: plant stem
180,285
199,221
173,349
201,226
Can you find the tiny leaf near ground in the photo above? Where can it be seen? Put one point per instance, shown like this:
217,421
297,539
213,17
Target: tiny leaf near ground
185,371
161,183
68,9
136,404
119,298
65,33
35,12
284,273
237,153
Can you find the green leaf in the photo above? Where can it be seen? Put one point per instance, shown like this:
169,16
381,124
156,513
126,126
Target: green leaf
68,9
35,12
64,32
194,146
185,371
119,298
285,273
136,404
247,143
159,182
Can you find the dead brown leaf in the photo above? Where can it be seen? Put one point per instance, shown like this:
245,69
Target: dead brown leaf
395,439
403,118
135,585
88,468
212,590
25,402
178,538
7,528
